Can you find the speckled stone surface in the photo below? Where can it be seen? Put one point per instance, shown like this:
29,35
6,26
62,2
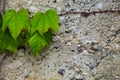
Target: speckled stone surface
84,49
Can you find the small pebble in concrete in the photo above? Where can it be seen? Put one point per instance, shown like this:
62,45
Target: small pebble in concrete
78,77
92,65
61,72
74,48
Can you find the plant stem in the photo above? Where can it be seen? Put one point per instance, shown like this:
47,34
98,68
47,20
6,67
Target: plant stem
2,2
86,14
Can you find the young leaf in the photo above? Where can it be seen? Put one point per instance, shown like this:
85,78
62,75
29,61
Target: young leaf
7,18
43,22
20,41
24,16
52,18
7,42
37,43
16,22
2,40
39,23
48,36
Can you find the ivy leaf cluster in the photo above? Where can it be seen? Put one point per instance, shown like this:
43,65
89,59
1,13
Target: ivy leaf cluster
16,22
43,21
18,29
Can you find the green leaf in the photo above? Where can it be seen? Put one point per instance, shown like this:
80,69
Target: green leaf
48,36
7,42
39,23
7,18
42,22
37,43
16,22
20,41
24,16
52,18
2,40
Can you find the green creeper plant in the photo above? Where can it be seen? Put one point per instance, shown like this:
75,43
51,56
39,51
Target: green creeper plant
18,30
16,22
43,21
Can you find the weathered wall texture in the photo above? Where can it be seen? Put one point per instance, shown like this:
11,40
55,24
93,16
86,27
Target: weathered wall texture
84,49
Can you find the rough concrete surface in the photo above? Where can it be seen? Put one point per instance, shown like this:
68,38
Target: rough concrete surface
86,48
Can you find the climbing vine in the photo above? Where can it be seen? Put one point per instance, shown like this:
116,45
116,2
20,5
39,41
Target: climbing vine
18,30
